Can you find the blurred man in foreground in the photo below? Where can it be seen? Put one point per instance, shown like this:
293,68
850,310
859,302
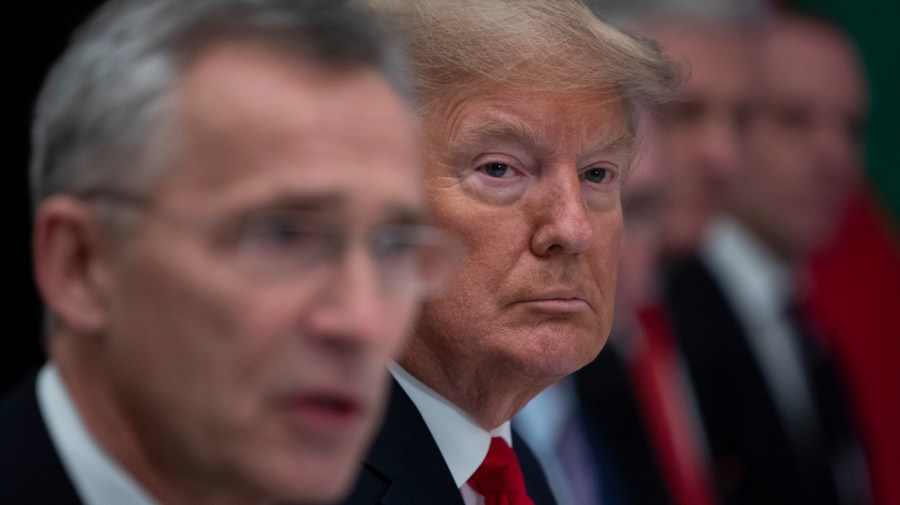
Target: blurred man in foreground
777,421
229,240
529,111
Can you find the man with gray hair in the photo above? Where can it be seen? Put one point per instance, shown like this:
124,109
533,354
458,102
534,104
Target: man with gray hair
528,109
230,240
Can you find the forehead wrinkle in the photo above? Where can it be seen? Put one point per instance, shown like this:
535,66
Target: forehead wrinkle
506,127
498,126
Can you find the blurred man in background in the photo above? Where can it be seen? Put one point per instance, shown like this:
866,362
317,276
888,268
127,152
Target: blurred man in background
777,420
703,131
229,241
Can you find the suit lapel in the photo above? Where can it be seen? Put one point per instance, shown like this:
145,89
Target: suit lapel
405,465
407,459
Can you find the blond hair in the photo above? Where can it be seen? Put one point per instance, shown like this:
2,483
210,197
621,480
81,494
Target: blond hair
545,45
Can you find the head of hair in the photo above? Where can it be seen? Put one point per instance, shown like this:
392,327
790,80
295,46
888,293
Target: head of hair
102,118
542,45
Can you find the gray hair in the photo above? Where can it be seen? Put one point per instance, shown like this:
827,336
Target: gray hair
536,44
101,117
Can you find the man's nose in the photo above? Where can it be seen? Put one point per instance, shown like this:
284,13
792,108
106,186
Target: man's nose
722,146
352,308
561,216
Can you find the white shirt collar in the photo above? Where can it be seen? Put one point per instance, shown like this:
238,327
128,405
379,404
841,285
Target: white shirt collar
98,479
756,280
462,442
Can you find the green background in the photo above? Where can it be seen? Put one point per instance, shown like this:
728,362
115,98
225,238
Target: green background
875,24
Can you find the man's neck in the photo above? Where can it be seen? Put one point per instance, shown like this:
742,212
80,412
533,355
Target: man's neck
489,395
108,425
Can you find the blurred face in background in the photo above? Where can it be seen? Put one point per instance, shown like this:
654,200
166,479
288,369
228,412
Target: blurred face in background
806,141
702,133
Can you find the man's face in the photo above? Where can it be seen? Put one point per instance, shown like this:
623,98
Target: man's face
529,182
250,381
703,132
806,141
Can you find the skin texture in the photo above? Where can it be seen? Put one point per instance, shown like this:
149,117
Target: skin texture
806,142
703,133
202,380
508,172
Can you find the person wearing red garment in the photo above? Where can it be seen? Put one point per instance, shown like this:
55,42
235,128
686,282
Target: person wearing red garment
779,423
529,111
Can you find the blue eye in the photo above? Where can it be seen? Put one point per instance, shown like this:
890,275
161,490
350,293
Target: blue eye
597,175
496,169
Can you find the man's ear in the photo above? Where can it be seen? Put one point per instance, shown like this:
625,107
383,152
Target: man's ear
68,263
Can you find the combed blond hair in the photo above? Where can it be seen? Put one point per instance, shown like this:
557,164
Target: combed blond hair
552,45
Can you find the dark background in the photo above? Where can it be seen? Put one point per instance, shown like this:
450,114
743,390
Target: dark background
42,31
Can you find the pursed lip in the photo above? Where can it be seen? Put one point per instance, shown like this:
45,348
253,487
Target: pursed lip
561,300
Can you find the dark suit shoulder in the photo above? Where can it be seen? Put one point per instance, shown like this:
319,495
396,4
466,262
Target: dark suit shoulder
618,432
752,457
30,469
404,465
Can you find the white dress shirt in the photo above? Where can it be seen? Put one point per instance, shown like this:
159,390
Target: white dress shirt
462,442
97,478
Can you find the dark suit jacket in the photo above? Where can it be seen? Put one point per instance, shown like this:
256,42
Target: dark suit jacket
405,466
30,469
618,432
753,458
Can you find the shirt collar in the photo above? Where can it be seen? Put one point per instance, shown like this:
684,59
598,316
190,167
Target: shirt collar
95,475
759,281
462,442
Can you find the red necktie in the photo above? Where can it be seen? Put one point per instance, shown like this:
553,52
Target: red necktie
499,478
665,406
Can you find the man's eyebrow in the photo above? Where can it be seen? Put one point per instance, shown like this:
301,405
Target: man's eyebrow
335,203
616,139
298,200
407,214
500,129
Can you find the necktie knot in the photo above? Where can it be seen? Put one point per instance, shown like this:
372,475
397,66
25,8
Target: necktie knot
499,478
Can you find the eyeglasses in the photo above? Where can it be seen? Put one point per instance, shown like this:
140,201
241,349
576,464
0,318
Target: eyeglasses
283,245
